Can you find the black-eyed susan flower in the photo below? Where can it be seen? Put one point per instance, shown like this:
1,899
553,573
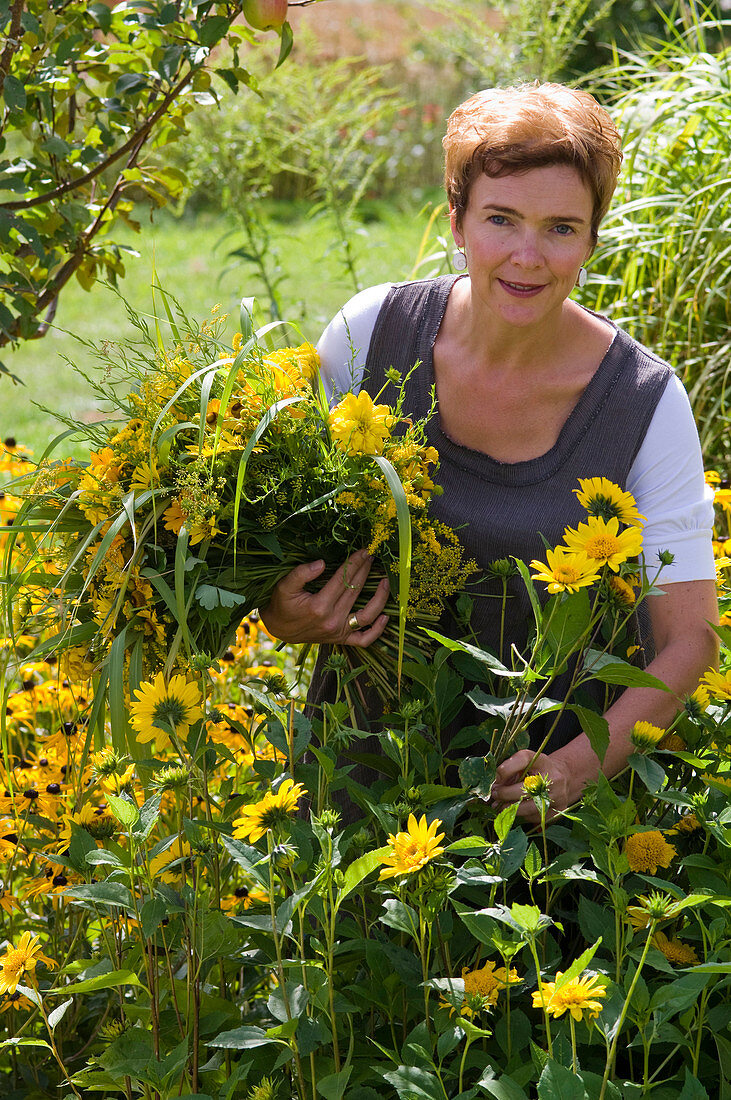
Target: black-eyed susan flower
177,704
413,849
271,812
605,500
566,570
20,962
647,851
360,427
603,542
578,996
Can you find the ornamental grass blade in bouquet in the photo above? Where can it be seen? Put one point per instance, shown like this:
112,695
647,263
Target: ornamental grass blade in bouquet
217,470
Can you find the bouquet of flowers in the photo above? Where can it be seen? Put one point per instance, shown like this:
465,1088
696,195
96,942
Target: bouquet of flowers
218,470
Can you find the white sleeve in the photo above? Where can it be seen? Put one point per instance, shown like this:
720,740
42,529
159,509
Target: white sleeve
344,344
666,480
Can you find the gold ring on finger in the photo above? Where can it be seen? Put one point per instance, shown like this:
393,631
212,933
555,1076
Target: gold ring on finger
353,623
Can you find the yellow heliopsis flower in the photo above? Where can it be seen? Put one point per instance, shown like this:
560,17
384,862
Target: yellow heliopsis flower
485,983
648,851
20,961
602,541
360,427
177,704
412,850
577,996
536,784
674,950
718,684
622,591
605,500
645,736
179,849
566,570
271,812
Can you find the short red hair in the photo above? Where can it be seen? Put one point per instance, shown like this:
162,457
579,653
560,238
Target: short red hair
503,130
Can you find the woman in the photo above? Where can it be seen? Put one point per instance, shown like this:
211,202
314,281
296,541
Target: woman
533,392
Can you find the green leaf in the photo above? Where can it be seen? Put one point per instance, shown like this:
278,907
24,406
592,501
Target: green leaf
148,816
649,771
242,1038
502,1088
477,773
692,1088
578,965
285,49
103,981
482,926
14,93
396,914
124,810
152,913
102,893
213,29
559,1083
482,655
24,1043
404,551
568,624
596,729
248,858
210,597
58,1013
503,823
616,671
357,871
413,1082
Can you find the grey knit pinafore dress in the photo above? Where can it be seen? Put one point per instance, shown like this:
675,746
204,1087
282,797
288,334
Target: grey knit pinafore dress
502,509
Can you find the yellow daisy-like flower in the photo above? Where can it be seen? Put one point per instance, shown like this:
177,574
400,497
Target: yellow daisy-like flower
536,784
271,812
688,823
360,427
712,477
412,850
566,571
645,736
486,983
718,684
20,961
602,541
577,996
648,851
622,591
177,704
605,500
674,950
174,517
179,849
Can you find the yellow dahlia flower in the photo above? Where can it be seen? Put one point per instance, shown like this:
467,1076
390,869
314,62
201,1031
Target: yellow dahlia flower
648,851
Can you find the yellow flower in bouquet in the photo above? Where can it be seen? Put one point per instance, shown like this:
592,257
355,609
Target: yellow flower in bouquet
605,500
270,812
360,427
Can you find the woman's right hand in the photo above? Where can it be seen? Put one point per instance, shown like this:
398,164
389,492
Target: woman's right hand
295,615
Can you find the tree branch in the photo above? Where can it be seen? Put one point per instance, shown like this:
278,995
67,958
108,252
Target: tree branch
12,42
72,185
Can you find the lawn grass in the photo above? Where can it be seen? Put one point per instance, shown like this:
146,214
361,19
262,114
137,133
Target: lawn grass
191,262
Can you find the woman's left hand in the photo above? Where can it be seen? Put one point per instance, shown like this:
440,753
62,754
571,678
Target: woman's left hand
563,791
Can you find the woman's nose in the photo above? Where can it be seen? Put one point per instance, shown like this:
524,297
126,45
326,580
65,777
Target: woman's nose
527,251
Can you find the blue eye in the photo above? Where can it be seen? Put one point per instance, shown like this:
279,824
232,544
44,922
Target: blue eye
498,219
563,230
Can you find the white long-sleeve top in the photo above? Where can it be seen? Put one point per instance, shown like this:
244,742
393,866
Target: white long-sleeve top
666,478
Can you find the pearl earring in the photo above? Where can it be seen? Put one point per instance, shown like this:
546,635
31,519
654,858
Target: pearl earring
582,277
459,260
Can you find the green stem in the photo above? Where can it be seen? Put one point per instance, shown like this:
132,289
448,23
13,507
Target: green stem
625,1007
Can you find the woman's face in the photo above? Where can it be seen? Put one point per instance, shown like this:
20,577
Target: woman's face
525,237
